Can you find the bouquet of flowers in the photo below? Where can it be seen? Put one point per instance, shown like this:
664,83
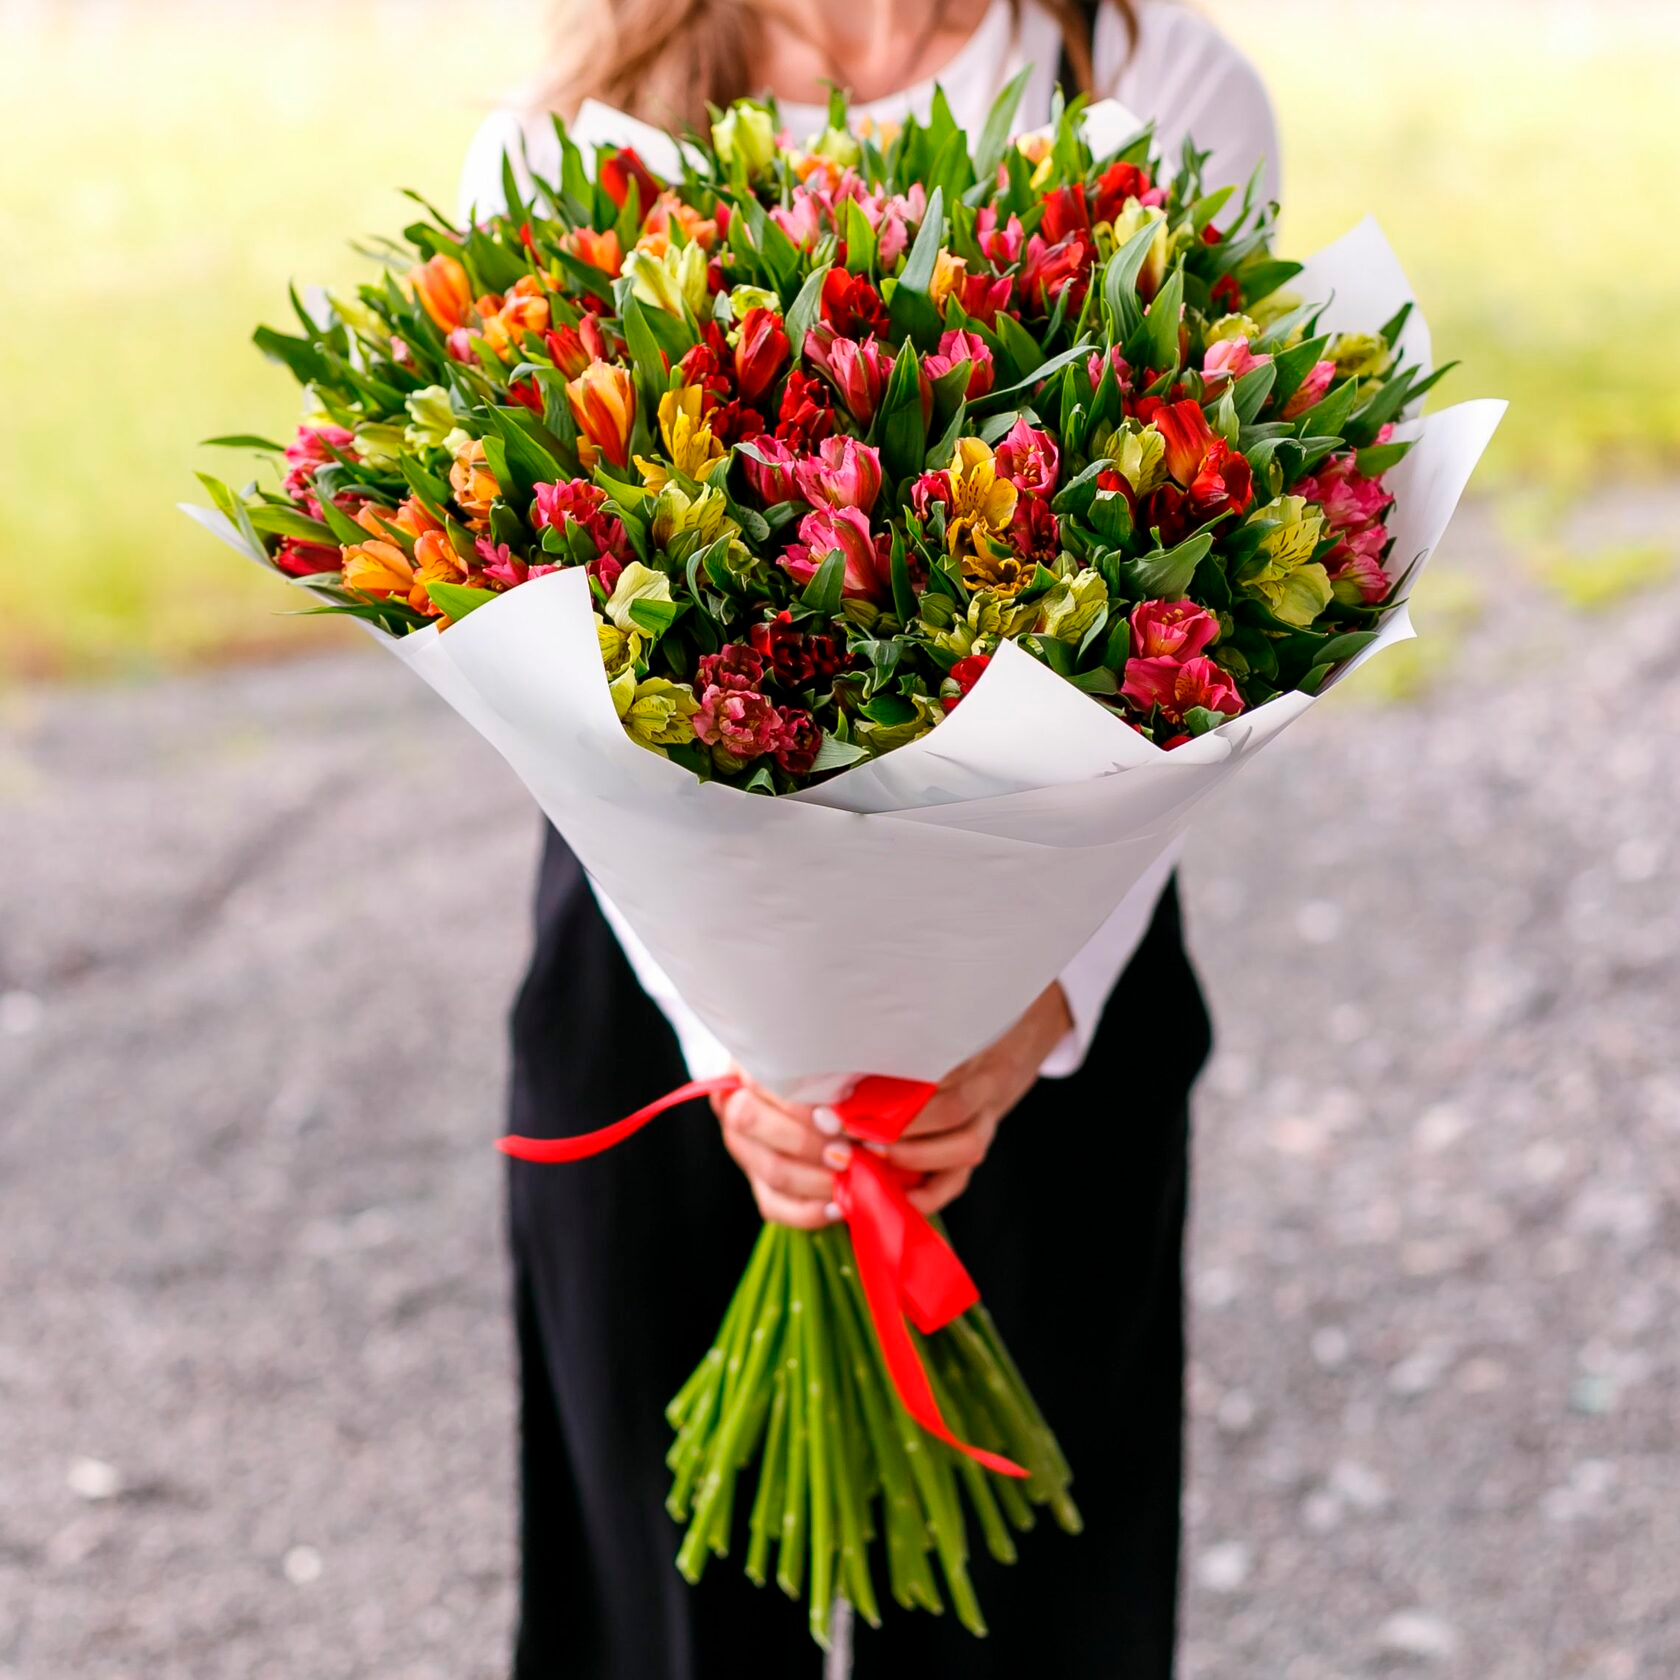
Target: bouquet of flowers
988,501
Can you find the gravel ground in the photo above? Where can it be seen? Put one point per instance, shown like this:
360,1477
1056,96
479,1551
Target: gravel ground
260,934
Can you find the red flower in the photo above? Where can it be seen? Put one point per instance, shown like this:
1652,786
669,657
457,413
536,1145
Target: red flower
772,478
983,295
578,502
965,674
732,421
859,370
619,170
1226,292
1166,512
572,349
843,473
1171,629
851,306
801,739
1050,269
1064,214
931,487
1188,437
806,416
795,657
1115,185
736,666
313,448
528,394
1223,483
303,559
760,350
1033,533
1177,686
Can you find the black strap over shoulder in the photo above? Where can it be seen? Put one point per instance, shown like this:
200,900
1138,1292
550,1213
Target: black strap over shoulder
1087,10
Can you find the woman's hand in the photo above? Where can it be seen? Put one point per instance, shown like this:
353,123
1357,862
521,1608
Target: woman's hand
788,1161
790,1154
952,1135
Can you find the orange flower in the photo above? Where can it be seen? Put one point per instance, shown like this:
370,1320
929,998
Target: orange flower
523,310
599,250
389,565
603,399
442,286
656,226
474,485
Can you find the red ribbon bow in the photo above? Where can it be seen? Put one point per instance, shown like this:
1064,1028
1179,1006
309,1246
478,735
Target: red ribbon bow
905,1266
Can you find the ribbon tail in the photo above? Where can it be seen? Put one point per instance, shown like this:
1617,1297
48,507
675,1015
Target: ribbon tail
549,1151
872,1208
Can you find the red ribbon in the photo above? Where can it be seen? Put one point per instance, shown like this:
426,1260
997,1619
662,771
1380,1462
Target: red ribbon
905,1266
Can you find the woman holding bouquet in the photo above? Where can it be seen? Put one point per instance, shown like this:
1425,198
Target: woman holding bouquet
1057,1155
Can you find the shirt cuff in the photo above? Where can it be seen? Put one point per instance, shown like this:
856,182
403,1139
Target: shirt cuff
1089,979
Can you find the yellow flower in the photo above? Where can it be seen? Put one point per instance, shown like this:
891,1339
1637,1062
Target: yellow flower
380,444
671,280
745,136
1127,225
982,505
1294,587
676,513
743,298
1233,326
620,649
1071,608
635,583
689,444
1360,355
655,713
948,272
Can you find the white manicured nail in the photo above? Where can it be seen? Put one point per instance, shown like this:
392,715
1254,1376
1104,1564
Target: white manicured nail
825,1120
832,1213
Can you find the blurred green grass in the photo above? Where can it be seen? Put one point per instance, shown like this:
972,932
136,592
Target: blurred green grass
172,165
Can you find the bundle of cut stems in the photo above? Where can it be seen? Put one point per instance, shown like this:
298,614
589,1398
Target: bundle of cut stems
795,1380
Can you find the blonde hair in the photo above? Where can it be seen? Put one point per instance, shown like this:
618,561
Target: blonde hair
664,60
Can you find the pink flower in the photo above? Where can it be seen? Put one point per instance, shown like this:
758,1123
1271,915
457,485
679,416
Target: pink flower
774,478
1171,629
310,450
1122,368
736,666
741,721
1231,358
1348,497
1001,244
983,295
859,371
1177,686
1033,532
503,566
1028,459
843,473
578,502
1355,566
303,559
802,220
959,346
931,487
1311,390
847,529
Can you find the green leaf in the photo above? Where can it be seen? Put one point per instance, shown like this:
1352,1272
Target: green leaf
1166,573
1098,681
1250,392
1380,457
1291,367
1345,646
233,509
900,426
823,593
860,240
1199,720
1119,286
1161,324
912,312
655,617
345,530
1074,353
804,309
456,600
288,522
835,754
904,595
994,135
242,440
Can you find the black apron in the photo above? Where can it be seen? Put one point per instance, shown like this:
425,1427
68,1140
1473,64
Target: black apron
623,1265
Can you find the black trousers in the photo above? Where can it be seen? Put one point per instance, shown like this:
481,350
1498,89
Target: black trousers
623,1265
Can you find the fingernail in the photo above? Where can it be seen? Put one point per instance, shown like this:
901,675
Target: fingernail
837,1155
832,1213
825,1119
874,1147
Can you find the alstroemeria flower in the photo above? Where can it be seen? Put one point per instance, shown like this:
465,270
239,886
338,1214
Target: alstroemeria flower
983,295
578,502
443,289
1051,269
1187,435
1230,358
847,528
843,473
474,484
572,349
771,478
1311,390
1356,569
603,402
962,346
964,675
1178,686
852,306
1028,458
380,565
1224,483
806,415
690,447
1002,245
1119,184
1171,629
618,171
311,449
761,348
1349,498
859,371
599,250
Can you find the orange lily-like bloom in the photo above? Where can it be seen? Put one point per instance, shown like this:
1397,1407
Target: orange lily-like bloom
383,566
656,226
599,250
603,399
523,310
443,288
474,485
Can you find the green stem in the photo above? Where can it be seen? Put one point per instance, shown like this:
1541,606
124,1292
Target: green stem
790,1556
999,1542
812,1336
771,1470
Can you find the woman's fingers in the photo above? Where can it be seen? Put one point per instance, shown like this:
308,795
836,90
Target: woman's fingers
746,1114
953,1105
782,1172
790,1210
944,1151
940,1190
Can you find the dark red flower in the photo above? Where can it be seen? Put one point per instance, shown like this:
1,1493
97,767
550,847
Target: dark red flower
965,674
732,421
1226,291
528,394
1051,269
852,306
1032,530
1064,213
796,657
735,666
1167,511
303,559
983,295
806,415
801,740
1115,185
